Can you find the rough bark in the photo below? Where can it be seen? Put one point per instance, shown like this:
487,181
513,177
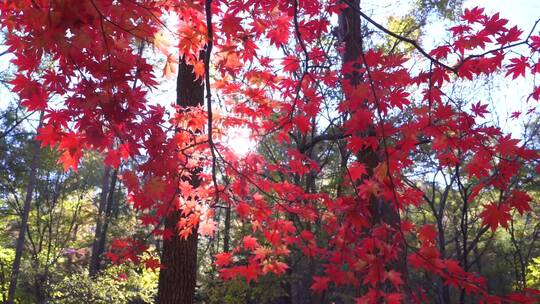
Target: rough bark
179,256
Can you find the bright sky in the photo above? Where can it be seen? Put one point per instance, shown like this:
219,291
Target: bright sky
509,97
504,96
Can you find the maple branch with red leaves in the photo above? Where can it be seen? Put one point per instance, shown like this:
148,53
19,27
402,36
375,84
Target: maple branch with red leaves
501,48
377,130
299,35
410,41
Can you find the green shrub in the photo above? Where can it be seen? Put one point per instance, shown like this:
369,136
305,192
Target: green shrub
119,285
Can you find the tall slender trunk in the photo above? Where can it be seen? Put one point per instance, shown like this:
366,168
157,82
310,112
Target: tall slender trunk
382,211
95,259
350,29
227,230
36,158
179,256
111,204
444,290
103,220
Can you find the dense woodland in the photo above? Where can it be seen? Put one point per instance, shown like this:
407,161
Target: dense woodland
267,151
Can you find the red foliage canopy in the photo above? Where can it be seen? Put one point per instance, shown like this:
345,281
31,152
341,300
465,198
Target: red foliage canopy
87,65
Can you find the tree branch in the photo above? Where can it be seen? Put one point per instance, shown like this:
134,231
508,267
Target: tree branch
208,53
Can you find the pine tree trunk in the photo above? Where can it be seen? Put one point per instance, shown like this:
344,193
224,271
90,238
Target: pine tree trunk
179,256
36,158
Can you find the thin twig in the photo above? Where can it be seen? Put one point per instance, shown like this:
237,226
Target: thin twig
208,53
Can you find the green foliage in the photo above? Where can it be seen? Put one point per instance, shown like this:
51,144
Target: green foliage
448,9
61,226
119,285
407,26
533,275
413,23
6,259
266,290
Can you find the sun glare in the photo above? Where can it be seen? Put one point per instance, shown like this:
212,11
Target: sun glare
240,141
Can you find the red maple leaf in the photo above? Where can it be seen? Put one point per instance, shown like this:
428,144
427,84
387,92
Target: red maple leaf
231,24
250,243
148,220
512,35
243,209
495,215
320,284
479,109
290,64
494,24
517,67
440,51
70,159
399,98
535,94
152,263
395,278
276,267
520,200
279,33
49,135
393,298
357,170
223,259
535,43
473,15
427,233
250,272
207,228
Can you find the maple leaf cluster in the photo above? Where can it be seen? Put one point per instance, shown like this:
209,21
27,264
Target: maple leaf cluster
100,75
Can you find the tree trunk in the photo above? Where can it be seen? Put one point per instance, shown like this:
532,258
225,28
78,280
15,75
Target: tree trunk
95,259
179,256
177,280
227,230
36,158
350,31
104,218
